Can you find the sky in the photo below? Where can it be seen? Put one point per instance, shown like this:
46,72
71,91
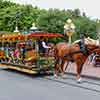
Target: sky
90,7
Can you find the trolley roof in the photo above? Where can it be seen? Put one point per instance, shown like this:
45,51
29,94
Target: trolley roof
44,34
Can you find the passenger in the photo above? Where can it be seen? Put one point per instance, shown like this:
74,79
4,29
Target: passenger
23,50
11,56
16,54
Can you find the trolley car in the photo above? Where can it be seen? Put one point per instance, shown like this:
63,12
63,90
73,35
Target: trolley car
29,59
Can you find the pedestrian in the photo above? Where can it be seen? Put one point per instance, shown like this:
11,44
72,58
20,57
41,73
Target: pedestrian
91,58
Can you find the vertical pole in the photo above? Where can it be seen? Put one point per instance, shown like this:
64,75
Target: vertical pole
98,30
69,40
69,29
99,38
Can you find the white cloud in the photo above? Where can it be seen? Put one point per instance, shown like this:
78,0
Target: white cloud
91,7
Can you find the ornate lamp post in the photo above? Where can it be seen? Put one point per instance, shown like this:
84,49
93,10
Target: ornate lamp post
69,29
98,30
17,18
33,28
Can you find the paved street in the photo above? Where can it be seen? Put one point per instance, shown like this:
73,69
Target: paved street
18,86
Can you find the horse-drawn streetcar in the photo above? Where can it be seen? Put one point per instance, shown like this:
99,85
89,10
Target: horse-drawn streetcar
21,52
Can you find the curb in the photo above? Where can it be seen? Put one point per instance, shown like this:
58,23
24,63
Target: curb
85,76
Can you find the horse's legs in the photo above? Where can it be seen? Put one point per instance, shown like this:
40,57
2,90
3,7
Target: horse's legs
79,64
56,67
66,65
62,67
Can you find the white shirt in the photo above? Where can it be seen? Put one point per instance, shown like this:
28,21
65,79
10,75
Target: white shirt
44,45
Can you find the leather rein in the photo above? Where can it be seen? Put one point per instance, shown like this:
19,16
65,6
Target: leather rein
86,52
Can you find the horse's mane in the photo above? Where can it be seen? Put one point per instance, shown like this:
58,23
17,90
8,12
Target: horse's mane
88,41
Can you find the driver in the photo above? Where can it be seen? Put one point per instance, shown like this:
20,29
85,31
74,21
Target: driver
43,46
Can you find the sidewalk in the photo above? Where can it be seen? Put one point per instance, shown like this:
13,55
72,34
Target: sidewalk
88,71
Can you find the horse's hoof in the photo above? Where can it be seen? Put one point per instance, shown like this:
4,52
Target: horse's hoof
79,80
63,76
55,76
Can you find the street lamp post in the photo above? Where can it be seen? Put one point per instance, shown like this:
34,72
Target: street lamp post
17,16
69,29
33,28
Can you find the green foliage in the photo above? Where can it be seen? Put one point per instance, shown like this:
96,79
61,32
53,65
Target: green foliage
51,20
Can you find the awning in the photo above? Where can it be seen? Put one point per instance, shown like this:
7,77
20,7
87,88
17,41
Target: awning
44,34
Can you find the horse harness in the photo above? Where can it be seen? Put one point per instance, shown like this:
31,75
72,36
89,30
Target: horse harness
83,50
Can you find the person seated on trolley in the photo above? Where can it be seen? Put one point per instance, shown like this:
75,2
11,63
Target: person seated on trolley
43,46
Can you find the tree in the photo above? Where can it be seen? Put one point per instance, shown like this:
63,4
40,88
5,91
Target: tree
76,13
52,20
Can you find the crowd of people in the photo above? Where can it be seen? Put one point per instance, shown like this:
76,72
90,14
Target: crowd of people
11,55
17,54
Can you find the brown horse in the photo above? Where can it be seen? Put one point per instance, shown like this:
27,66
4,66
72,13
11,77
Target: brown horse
73,53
